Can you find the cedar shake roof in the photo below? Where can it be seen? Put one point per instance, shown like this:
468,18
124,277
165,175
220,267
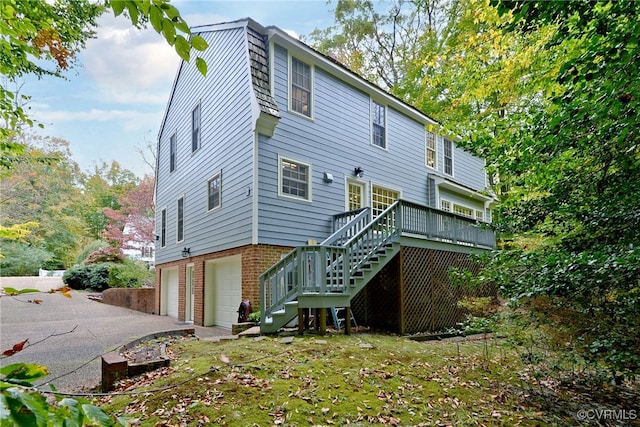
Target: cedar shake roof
260,72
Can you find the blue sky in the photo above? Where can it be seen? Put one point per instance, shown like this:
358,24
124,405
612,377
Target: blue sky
114,100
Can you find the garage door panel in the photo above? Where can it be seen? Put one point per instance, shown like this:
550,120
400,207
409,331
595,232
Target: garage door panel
170,293
224,288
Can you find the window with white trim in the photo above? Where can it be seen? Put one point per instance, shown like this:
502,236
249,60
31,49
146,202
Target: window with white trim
295,179
480,215
300,88
448,157
355,195
445,205
180,220
163,228
214,190
195,128
173,145
463,210
430,146
378,120
382,198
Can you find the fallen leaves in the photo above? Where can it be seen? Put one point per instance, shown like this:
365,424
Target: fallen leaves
15,349
329,385
13,291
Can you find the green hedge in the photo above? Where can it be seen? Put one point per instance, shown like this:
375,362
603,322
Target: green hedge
98,277
93,277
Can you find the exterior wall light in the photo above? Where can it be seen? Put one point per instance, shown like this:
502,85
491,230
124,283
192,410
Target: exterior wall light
186,252
359,172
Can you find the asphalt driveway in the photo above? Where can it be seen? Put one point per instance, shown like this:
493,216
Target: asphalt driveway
69,335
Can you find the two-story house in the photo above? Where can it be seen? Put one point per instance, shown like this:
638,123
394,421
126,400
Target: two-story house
286,179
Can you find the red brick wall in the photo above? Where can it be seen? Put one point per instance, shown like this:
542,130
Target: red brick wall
139,299
256,259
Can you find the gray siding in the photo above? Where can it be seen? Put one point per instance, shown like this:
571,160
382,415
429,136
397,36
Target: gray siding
468,170
336,141
227,141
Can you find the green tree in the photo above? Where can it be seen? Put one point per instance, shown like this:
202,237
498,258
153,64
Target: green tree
103,188
46,195
452,61
576,213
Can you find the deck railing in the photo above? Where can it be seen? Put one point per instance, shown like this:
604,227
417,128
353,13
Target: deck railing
449,227
328,267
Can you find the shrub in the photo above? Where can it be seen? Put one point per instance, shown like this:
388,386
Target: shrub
128,274
93,277
89,248
254,317
104,254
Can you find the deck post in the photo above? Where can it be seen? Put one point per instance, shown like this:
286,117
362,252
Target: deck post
323,321
347,321
301,321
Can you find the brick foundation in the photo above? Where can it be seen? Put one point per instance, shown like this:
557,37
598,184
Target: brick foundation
256,259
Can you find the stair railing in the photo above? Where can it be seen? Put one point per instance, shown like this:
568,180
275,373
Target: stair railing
303,271
344,218
358,220
364,245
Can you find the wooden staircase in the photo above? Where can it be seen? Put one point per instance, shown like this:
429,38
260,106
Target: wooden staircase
332,273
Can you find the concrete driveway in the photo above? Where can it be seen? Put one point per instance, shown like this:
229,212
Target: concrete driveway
69,335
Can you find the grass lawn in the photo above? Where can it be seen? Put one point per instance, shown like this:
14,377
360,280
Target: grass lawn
362,379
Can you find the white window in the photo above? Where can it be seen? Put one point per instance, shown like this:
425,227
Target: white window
430,145
294,179
378,129
300,87
195,128
382,198
448,157
163,228
445,205
480,215
172,152
180,220
463,210
214,187
355,195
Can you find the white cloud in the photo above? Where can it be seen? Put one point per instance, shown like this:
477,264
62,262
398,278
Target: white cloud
128,65
129,119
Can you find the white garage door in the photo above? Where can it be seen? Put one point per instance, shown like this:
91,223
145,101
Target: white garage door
169,295
223,291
